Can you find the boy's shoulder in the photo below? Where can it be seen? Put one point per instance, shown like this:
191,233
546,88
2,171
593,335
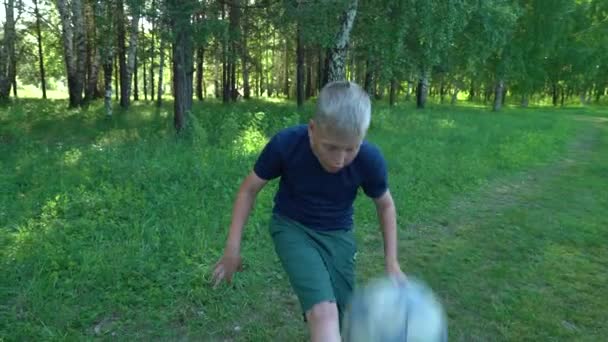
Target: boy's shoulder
288,138
370,153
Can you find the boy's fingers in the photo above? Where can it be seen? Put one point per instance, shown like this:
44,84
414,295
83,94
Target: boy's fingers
218,274
218,278
218,268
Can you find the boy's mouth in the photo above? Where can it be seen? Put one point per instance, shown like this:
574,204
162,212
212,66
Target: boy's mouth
333,169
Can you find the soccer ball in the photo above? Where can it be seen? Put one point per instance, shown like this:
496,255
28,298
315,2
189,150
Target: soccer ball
388,311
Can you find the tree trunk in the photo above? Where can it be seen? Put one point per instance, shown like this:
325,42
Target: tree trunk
40,54
524,100
106,52
116,78
199,73
260,72
378,89
233,90
498,94
74,48
422,90
472,91
81,48
488,91
92,53
286,71
320,73
583,98
107,79
122,53
300,66
368,82
216,80
225,71
337,70
601,88
135,81
245,55
309,74
152,52
144,69
182,66
159,96
234,25
554,94
408,94
131,55
7,52
393,92
455,95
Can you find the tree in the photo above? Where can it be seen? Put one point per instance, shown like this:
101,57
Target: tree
74,47
7,52
179,14
434,26
488,28
135,9
379,41
104,19
40,54
92,52
337,55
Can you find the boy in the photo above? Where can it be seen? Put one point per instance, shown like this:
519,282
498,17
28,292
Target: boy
321,166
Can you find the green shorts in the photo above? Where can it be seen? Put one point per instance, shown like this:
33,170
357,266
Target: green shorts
320,265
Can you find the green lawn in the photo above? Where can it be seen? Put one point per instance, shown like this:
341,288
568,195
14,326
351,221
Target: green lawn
109,227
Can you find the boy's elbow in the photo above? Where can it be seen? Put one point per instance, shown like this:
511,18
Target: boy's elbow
252,184
385,201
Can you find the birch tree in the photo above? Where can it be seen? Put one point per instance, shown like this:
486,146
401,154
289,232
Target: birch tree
74,47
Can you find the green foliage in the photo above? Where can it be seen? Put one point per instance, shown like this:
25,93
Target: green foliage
109,226
27,48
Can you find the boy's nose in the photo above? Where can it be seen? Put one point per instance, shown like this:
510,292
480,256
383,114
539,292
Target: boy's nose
339,160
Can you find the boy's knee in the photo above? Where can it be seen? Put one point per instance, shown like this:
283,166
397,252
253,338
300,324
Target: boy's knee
323,312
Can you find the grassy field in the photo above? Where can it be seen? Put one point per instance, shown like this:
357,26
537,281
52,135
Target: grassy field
109,227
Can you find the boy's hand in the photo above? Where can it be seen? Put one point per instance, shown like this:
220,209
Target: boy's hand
394,271
225,268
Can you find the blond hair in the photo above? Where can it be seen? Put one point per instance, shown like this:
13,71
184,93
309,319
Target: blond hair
344,107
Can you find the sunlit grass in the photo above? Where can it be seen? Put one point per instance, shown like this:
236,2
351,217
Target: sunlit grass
28,91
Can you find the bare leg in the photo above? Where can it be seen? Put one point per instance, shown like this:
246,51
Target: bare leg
323,322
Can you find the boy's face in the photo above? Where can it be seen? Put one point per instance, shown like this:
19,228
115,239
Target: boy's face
334,151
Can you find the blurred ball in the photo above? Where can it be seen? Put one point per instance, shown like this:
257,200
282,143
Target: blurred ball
386,310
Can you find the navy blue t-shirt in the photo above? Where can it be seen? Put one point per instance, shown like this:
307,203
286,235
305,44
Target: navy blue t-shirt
309,194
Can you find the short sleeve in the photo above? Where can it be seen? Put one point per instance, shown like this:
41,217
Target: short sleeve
375,182
268,164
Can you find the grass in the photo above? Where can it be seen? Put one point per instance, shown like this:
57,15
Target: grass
109,226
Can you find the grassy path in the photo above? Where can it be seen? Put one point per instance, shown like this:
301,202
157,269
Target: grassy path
524,257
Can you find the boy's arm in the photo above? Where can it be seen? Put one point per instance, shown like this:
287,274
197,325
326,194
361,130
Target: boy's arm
241,210
230,262
385,208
